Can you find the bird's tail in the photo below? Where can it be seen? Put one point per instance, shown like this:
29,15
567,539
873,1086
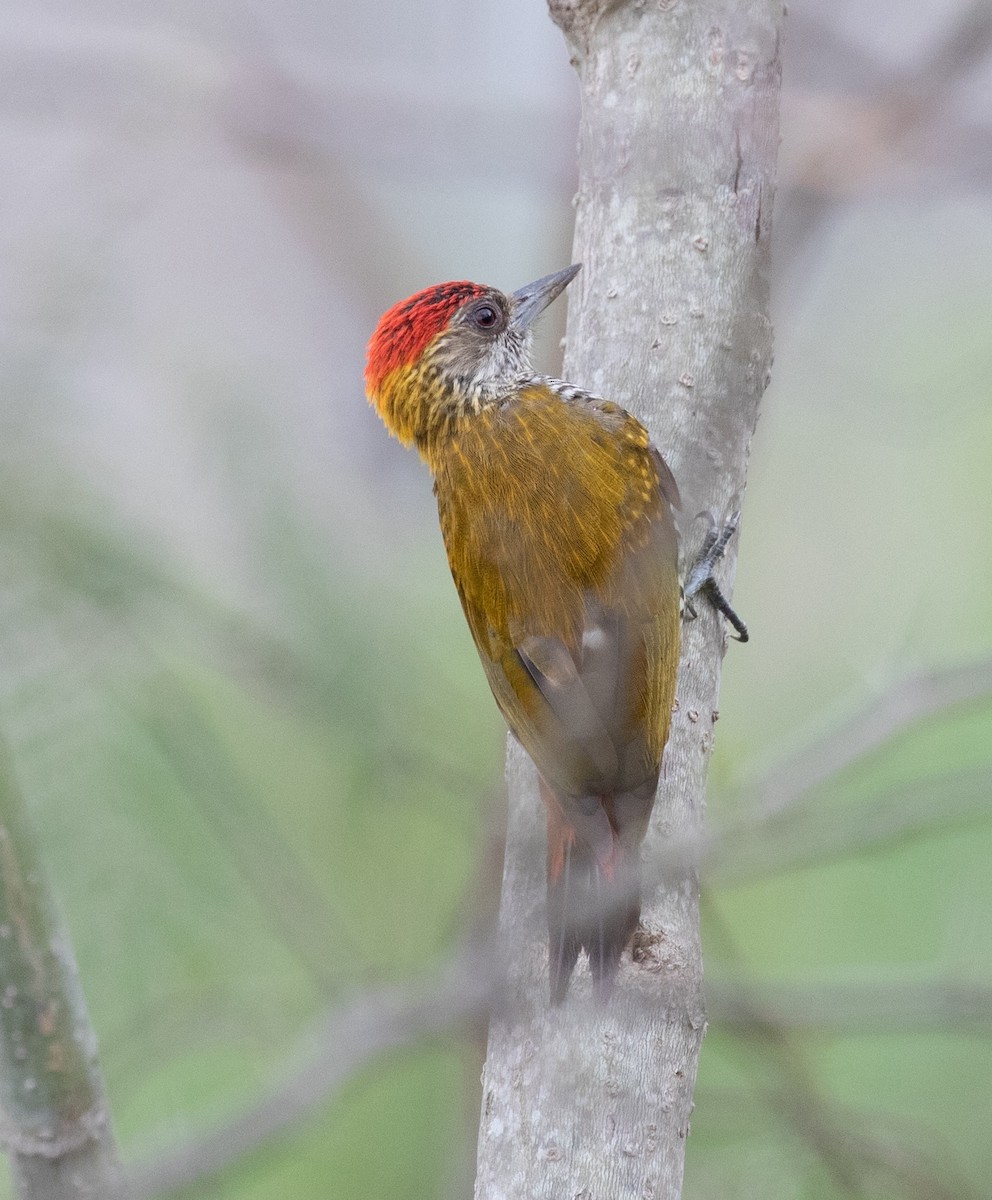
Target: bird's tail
594,900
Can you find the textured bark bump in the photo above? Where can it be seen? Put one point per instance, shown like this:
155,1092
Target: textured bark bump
577,19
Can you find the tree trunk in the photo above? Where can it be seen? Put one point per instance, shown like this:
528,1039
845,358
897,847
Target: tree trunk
669,318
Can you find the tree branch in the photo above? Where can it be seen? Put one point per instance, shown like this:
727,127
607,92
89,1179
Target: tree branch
853,1008
373,1023
347,1039
853,1155
669,318
921,808
896,125
53,1114
908,702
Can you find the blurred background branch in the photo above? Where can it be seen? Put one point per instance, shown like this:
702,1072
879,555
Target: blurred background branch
54,1121
348,1041
893,712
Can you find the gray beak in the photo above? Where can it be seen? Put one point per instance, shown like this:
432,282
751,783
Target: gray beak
528,302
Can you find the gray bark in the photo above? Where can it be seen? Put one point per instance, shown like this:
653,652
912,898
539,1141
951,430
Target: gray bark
669,318
54,1120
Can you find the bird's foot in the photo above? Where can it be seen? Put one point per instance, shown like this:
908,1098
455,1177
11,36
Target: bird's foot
701,581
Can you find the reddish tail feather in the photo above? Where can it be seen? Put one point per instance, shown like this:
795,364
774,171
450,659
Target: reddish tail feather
593,900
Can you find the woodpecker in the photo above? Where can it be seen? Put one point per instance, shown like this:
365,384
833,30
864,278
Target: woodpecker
557,516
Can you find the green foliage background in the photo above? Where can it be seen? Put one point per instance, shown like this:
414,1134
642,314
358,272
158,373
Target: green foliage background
252,807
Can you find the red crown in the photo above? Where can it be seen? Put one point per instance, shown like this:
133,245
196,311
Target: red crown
406,329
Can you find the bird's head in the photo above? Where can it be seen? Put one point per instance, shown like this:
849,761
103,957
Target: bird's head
452,348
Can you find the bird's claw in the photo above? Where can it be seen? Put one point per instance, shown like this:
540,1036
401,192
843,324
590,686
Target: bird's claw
701,580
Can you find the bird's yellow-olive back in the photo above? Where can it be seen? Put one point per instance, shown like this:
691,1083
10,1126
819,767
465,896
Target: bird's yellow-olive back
557,522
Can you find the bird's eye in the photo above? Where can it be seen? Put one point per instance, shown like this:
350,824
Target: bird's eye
485,316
